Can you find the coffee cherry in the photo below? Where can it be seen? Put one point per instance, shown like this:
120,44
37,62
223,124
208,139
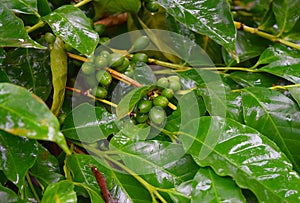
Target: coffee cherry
104,40
140,57
144,106
141,118
105,54
99,92
169,93
100,28
173,77
141,43
87,68
163,82
152,6
49,38
174,85
116,60
124,66
103,77
161,101
157,115
100,62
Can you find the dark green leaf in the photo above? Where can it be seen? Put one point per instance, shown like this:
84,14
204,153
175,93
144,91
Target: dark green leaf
295,92
12,31
43,7
248,46
144,74
18,155
95,196
243,153
30,68
128,102
275,116
59,71
46,169
24,114
211,18
62,191
287,13
22,6
249,79
9,196
89,124
109,7
70,23
209,187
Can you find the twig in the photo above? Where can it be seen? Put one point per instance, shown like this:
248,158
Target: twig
241,26
32,188
102,184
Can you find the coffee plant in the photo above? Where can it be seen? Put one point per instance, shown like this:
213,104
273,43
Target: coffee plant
149,101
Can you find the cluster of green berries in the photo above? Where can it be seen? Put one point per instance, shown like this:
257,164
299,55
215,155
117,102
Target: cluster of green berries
171,82
151,5
152,107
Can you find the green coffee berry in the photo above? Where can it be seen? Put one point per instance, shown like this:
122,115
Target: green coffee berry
49,38
161,101
174,85
103,77
140,57
100,28
144,106
104,40
163,82
105,54
169,93
174,77
124,66
141,118
100,62
157,115
116,60
99,92
141,43
152,6
87,68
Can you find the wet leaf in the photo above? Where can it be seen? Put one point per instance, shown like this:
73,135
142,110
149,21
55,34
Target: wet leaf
234,106
128,102
144,74
18,155
59,69
249,79
12,31
211,18
275,116
286,13
108,7
24,114
241,152
9,196
295,92
22,6
46,169
89,124
62,191
74,28
209,187
29,68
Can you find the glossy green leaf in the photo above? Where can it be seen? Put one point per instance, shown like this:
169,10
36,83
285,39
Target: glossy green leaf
24,114
60,192
29,68
95,197
287,13
46,169
209,187
162,164
59,69
249,79
12,31
234,108
248,46
144,74
109,7
277,52
18,155
295,92
43,7
128,102
254,161
74,28
9,196
275,116
22,6
89,124
211,18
